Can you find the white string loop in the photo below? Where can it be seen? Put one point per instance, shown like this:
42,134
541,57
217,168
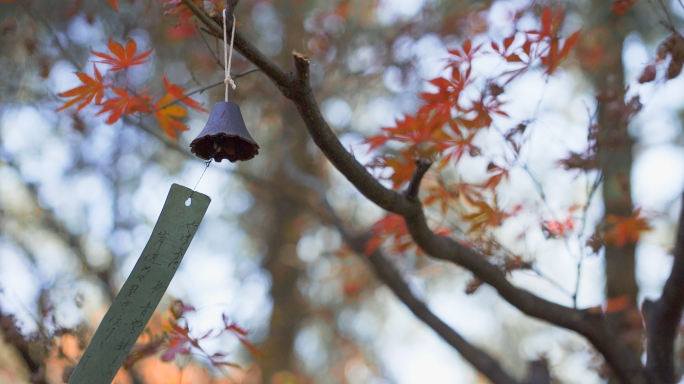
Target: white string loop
228,56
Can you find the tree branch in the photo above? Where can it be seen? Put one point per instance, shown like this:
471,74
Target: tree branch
664,315
414,186
384,269
592,326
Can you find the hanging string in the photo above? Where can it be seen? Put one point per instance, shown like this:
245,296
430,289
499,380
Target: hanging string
228,57
202,175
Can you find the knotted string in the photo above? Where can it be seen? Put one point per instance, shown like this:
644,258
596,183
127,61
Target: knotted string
228,56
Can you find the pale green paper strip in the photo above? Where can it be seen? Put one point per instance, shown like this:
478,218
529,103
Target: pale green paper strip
140,294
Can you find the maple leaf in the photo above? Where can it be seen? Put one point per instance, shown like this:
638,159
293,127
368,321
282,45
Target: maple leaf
438,105
440,193
620,7
125,104
465,55
375,141
179,342
403,170
179,93
453,148
498,174
241,333
92,88
625,230
114,4
168,116
122,57
484,216
554,57
392,227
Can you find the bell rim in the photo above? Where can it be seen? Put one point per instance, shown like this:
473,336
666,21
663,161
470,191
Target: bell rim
220,134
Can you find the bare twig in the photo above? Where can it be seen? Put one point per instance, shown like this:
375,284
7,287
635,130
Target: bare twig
423,165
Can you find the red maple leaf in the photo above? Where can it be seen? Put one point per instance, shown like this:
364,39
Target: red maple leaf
179,93
92,88
626,230
125,104
122,57
114,4
241,333
179,342
393,227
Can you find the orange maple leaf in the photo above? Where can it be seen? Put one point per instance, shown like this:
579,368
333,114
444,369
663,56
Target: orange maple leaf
125,104
403,170
179,93
122,57
485,216
626,229
92,88
114,4
168,116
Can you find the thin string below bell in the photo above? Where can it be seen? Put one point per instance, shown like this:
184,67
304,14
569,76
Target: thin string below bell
225,136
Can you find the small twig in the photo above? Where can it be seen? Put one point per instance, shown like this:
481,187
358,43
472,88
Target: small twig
213,54
230,8
414,186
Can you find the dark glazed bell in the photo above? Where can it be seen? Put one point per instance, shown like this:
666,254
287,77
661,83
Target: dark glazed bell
225,136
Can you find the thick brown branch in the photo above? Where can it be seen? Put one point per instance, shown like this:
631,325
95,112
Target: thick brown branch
664,315
593,327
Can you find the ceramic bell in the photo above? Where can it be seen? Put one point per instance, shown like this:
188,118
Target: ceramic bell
225,136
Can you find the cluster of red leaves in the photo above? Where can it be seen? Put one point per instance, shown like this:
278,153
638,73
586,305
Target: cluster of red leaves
625,230
554,228
122,101
554,52
447,125
176,340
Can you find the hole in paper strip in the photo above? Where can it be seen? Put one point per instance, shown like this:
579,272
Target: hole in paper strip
188,202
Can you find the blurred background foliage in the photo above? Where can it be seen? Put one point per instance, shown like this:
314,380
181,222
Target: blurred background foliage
79,197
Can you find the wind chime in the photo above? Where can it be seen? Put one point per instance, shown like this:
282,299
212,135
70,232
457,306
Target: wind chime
224,137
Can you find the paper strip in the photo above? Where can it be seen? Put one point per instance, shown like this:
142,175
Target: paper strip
144,288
